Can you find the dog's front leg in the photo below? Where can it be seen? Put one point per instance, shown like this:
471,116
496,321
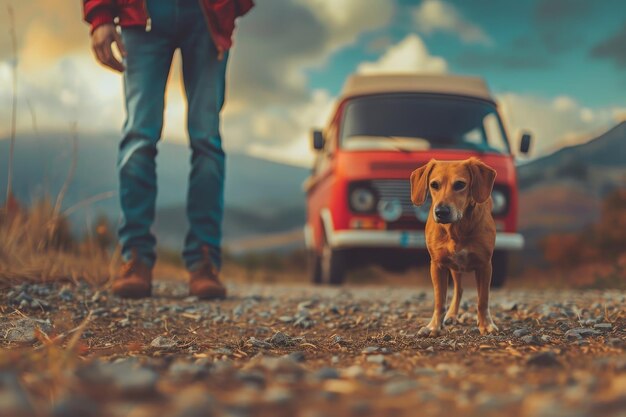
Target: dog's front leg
439,276
453,310
483,282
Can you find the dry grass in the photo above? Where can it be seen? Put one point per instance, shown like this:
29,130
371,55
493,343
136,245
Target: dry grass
36,246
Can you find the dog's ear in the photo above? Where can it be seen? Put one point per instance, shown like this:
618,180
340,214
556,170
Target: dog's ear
419,183
483,177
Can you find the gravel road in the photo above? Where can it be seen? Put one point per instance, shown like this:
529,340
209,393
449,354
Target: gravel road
294,350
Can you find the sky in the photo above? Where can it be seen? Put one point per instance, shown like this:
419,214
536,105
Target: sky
556,67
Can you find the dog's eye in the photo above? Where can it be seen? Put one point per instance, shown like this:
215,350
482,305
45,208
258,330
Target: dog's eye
459,185
434,185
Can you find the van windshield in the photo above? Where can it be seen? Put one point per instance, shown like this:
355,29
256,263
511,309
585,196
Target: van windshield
412,122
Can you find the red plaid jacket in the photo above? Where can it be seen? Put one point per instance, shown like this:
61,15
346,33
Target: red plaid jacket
220,16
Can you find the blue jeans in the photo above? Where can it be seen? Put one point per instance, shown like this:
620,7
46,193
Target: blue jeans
175,24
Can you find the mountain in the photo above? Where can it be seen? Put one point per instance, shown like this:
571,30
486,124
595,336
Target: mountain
598,163
559,192
260,196
563,191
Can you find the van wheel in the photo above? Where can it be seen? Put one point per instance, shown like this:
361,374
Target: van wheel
332,265
500,266
315,267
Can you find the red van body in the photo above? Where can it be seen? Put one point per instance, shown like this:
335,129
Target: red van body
358,196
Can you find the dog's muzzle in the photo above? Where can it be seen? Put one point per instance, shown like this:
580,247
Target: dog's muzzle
443,214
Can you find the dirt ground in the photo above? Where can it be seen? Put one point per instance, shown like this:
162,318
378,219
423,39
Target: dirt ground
298,350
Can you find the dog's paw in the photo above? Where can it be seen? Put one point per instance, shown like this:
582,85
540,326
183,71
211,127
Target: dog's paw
428,331
490,328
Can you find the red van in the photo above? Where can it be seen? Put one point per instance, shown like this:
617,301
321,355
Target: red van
359,209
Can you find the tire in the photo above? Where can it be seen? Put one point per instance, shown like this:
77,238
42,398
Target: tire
500,266
315,268
333,265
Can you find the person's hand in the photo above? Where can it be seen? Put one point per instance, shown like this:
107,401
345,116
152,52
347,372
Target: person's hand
101,40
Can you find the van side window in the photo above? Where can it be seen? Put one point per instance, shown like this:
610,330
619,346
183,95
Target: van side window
493,132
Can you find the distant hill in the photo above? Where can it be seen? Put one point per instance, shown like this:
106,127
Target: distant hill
559,192
599,163
261,196
563,191
240,225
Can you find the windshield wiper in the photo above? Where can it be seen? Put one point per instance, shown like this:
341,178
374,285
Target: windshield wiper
399,148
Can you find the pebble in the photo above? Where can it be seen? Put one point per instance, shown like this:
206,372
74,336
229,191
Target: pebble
125,375
544,360
521,332
252,377
326,373
278,396
399,387
354,371
13,399
24,330
124,323
281,339
162,342
581,332
223,351
73,405
23,296
193,401
603,326
183,370
66,294
531,340
259,343
378,359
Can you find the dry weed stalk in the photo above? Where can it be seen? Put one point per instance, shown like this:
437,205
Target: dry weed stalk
36,243
14,103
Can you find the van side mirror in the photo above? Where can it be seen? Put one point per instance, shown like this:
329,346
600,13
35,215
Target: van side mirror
318,140
524,143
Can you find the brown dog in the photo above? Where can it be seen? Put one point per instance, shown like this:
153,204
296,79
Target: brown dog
460,234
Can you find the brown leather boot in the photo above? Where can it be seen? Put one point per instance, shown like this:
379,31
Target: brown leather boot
204,281
134,279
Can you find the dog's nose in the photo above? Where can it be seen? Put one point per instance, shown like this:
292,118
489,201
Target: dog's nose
442,213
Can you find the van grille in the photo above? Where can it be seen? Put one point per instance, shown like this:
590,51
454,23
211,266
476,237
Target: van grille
396,189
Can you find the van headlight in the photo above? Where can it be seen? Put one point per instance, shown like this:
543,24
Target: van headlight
362,200
499,202
390,210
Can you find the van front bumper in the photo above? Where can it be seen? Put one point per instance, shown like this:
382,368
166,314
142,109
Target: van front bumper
406,239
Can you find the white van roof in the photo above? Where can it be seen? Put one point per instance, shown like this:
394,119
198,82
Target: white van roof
358,85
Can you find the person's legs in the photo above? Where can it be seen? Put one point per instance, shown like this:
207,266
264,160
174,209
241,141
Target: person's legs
148,61
204,79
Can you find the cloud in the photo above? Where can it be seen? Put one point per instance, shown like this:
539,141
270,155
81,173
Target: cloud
269,104
301,121
62,93
613,48
439,16
347,19
554,122
408,56
46,30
